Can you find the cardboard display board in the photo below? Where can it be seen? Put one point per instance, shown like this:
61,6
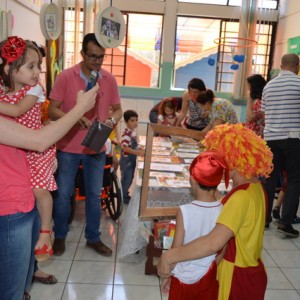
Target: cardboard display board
110,27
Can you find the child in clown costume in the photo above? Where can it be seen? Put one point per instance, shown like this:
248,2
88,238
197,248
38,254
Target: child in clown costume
240,225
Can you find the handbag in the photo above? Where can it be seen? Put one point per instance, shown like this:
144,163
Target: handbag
96,136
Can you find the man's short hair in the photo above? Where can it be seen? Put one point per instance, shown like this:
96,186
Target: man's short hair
89,37
290,59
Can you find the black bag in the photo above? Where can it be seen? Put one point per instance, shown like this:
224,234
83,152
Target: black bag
96,136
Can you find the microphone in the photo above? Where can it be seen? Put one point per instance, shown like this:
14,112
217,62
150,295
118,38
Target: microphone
92,81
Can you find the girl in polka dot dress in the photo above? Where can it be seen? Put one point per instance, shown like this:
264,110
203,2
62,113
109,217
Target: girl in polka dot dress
20,98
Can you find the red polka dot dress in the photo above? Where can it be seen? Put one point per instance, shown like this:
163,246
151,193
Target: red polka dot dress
41,163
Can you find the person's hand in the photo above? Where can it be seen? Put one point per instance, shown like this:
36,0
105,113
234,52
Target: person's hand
87,100
109,123
163,267
84,123
141,152
204,114
165,285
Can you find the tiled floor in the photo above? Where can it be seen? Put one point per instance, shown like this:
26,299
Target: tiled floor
84,275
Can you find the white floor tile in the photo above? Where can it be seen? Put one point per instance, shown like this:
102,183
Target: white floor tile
286,258
134,273
282,294
87,292
133,292
59,268
42,291
293,275
277,280
91,272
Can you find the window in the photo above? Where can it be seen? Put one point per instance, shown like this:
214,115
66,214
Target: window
186,41
273,4
136,61
197,54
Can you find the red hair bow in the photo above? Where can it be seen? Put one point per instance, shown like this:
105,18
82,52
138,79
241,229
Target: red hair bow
13,48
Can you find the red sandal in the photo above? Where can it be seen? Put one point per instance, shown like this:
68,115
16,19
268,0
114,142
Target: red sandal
44,253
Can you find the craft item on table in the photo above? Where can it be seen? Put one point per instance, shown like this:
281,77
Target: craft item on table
188,146
182,140
162,167
187,154
165,174
163,159
176,182
161,153
188,160
157,141
190,150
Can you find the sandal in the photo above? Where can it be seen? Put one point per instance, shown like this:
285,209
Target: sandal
44,253
50,279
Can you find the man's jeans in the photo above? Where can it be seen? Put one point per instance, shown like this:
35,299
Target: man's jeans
93,167
18,236
286,154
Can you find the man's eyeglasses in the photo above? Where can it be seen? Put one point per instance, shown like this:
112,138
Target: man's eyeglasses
94,57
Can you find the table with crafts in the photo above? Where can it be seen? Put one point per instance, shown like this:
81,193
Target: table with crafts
168,186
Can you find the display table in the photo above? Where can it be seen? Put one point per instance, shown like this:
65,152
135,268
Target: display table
162,185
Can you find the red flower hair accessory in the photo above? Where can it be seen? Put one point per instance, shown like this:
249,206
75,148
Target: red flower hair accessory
13,48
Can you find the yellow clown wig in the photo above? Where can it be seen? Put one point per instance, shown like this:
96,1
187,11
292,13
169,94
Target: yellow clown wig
243,150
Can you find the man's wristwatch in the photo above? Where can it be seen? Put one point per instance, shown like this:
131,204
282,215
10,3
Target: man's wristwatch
113,120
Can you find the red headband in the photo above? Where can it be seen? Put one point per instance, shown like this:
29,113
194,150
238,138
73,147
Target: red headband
13,48
208,168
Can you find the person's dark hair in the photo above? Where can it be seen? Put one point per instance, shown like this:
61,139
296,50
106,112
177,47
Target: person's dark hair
197,83
41,48
89,37
167,102
204,97
256,85
207,188
129,114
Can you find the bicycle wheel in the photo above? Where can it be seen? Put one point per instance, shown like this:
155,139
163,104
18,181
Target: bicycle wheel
72,207
114,202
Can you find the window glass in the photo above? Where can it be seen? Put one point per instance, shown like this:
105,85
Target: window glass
136,61
195,47
261,3
206,48
220,2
